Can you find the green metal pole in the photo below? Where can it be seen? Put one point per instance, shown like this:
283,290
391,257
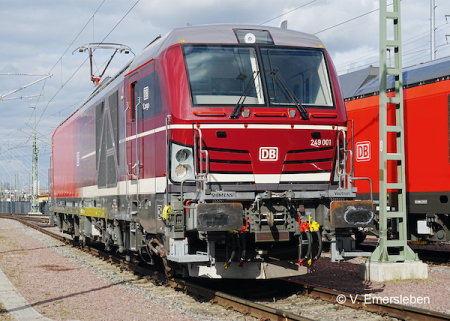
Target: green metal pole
388,159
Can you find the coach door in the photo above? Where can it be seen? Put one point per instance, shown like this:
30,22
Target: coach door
141,139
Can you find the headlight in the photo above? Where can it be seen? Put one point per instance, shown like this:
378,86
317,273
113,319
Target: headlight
181,171
182,155
182,163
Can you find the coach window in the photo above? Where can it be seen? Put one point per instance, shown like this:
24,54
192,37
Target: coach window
133,102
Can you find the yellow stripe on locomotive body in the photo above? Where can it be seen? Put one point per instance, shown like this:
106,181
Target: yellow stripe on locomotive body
237,128
94,212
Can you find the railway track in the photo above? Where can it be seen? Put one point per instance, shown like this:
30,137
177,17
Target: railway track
263,299
38,218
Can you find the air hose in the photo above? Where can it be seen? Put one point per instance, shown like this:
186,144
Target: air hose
233,252
320,245
304,230
244,249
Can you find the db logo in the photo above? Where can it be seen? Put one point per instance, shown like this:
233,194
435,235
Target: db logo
268,153
363,151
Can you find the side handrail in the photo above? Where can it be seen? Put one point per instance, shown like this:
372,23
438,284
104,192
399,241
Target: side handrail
182,187
168,119
365,179
137,165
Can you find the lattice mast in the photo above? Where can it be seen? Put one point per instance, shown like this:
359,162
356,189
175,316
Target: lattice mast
35,173
396,155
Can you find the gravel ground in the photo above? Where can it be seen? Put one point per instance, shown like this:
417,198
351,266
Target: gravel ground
344,277
63,283
66,284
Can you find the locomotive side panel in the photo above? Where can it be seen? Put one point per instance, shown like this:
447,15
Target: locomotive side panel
427,125
86,146
364,114
63,160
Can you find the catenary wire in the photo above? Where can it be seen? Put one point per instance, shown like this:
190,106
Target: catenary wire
287,12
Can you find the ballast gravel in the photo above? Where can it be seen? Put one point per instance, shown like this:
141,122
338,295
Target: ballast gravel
63,283
434,292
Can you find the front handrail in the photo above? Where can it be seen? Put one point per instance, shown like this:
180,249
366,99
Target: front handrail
343,175
198,170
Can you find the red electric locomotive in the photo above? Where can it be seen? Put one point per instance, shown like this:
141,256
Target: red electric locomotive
219,151
426,109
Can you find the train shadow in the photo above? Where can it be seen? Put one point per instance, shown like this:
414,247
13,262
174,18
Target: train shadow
59,298
343,277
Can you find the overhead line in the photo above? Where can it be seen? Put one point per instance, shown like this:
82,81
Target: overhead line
344,22
85,60
405,42
287,12
78,35
121,20
60,88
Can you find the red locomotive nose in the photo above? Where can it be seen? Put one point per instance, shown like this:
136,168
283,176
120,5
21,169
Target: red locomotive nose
270,154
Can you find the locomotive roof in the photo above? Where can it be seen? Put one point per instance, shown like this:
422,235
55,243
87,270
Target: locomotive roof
221,34
205,34
365,82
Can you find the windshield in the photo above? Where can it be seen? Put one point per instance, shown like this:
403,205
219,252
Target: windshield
219,75
304,73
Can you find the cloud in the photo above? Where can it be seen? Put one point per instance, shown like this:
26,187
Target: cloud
35,34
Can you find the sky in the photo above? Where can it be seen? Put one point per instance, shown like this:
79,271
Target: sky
39,37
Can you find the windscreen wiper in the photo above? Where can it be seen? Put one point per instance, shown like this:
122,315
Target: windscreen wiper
275,74
236,113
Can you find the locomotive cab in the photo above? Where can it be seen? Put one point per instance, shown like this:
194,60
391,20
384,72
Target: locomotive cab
256,180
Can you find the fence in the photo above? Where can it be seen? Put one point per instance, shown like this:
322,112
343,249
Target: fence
22,207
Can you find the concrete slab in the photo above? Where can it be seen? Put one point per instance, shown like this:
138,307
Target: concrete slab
380,272
15,303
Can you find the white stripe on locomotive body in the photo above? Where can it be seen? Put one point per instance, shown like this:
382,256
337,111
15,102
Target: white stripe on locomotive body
88,155
235,126
158,184
227,178
146,186
154,131
269,178
312,177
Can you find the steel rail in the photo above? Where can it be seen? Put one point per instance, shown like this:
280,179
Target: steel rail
392,310
243,306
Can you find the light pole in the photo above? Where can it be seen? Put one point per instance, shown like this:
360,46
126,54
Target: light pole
34,173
